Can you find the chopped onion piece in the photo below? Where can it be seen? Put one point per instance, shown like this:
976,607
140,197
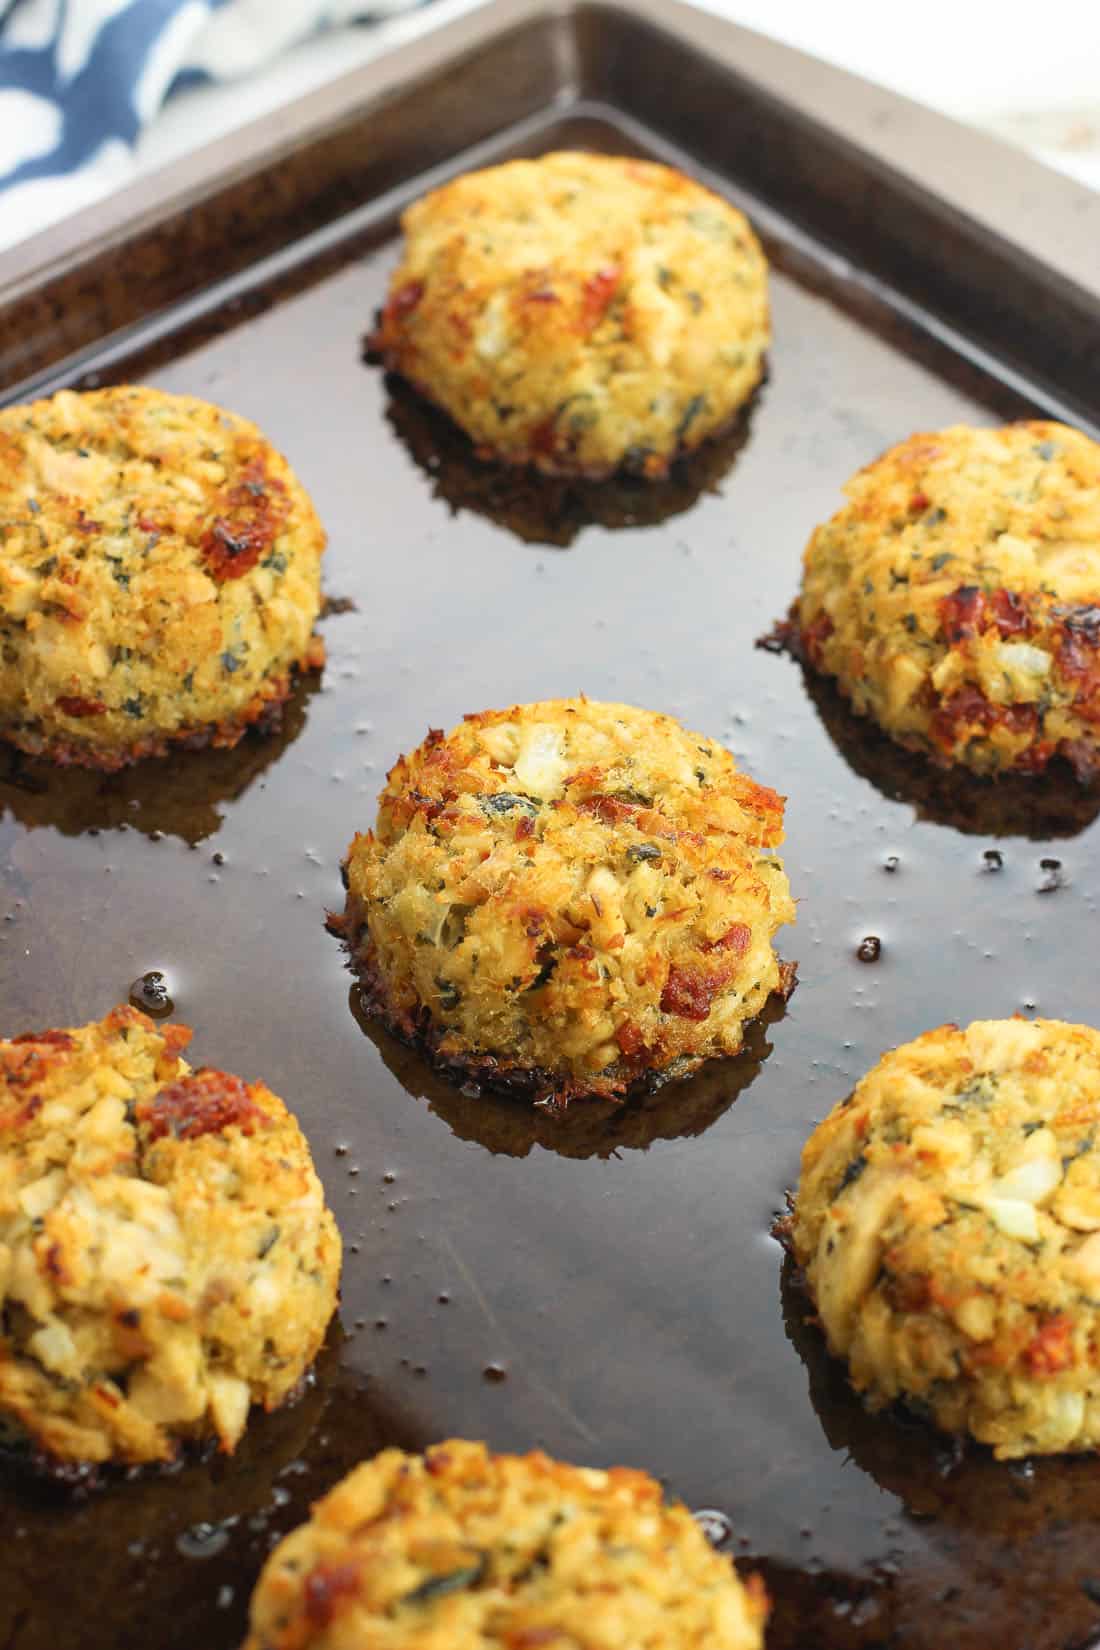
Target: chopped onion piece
1024,658
540,765
1014,1217
1030,1182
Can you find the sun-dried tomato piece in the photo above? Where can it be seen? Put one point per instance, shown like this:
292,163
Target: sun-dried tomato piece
206,1102
1051,1350
256,507
630,1040
402,302
1036,757
52,1262
176,1039
735,939
970,610
689,992
1077,656
598,291
1009,612
962,613
1080,619
544,436
970,705
610,810
72,705
18,1116
327,1588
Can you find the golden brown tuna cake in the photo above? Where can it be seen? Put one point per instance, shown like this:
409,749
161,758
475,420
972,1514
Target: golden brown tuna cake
462,1550
569,898
956,596
159,576
580,312
948,1222
166,1256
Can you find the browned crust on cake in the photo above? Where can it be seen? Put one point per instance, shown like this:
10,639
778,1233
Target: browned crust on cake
656,467
1081,754
264,712
545,1088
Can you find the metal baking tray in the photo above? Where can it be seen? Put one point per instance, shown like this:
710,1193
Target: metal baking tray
608,1289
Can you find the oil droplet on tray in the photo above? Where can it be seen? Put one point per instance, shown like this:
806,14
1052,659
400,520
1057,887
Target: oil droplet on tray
203,1541
150,993
715,1526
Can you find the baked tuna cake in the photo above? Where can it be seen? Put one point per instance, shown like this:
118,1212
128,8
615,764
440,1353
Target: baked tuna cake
166,1256
580,313
159,576
569,898
956,596
459,1550
948,1224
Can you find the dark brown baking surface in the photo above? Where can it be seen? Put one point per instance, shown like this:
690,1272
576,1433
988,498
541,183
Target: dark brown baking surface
625,1286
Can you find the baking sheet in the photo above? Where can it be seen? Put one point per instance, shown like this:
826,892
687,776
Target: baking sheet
612,1294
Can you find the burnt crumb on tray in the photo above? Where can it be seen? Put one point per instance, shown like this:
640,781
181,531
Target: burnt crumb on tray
333,606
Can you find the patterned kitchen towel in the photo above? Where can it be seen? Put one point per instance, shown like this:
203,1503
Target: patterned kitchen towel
81,79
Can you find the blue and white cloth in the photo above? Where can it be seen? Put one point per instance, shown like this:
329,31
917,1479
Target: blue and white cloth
80,80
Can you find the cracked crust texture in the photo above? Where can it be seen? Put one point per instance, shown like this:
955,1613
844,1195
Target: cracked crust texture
569,898
581,313
948,1223
159,576
166,1256
462,1550
956,596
